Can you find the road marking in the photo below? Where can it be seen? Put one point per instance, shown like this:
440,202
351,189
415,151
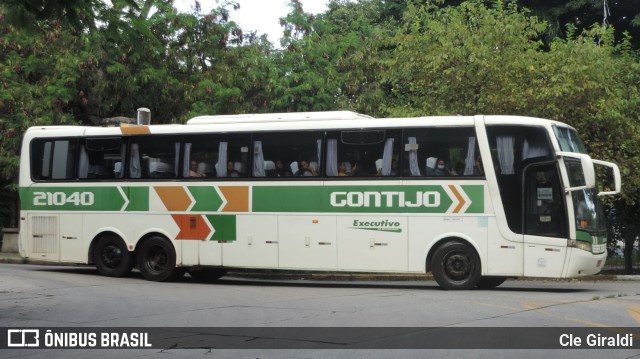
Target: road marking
634,312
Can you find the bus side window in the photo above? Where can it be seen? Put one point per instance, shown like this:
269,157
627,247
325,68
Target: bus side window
53,159
200,156
287,154
366,153
154,157
440,152
101,158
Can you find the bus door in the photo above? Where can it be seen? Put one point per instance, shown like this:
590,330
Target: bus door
545,224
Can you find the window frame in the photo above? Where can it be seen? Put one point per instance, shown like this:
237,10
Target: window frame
72,140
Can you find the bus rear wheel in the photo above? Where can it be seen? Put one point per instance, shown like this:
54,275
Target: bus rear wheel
456,265
111,257
157,260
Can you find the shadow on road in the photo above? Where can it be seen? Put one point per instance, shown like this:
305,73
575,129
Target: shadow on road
380,282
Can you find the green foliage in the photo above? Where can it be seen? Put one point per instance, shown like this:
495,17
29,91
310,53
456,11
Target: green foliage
464,60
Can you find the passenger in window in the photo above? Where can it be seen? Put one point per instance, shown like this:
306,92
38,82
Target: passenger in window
117,169
478,169
392,172
231,171
306,170
458,169
431,166
357,171
193,170
206,169
441,168
379,164
281,170
342,169
160,169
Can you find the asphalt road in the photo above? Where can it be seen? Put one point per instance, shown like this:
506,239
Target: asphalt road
55,296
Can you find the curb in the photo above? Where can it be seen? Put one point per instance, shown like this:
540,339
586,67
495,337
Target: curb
12,258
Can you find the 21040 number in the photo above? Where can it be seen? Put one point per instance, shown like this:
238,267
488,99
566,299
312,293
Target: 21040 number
61,198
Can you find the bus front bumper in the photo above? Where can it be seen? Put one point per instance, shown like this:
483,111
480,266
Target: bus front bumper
582,263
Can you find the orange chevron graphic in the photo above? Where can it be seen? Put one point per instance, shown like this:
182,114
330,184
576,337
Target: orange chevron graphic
192,227
237,198
174,198
461,201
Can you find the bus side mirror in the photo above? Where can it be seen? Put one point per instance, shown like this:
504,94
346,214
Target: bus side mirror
579,175
617,182
588,170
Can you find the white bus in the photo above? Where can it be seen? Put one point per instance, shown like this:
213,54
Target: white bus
472,199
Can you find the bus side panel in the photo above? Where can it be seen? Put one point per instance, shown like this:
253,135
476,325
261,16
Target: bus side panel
209,252
73,246
544,256
372,243
307,242
256,244
504,257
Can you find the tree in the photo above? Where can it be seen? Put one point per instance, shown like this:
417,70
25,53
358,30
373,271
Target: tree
623,15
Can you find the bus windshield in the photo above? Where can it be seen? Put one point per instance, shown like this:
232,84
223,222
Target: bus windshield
569,140
588,211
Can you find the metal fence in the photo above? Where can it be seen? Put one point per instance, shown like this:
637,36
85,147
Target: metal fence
617,257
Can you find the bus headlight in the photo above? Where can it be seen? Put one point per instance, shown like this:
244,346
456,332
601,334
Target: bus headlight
585,246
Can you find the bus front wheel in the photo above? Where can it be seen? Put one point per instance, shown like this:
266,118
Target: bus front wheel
157,260
456,265
111,257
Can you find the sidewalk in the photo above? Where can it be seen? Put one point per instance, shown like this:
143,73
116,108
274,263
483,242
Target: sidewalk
14,258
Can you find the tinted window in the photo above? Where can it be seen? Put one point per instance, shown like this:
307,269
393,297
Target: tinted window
513,148
441,152
287,154
216,156
101,157
53,159
370,153
154,157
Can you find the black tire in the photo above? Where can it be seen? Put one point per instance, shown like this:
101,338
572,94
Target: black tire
111,257
207,274
490,282
456,265
157,260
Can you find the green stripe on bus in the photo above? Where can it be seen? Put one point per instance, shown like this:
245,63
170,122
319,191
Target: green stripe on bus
476,195
366,199
587,237
74,198
224,227
206,197
138,199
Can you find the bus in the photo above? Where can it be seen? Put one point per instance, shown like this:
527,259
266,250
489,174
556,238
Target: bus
471,199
